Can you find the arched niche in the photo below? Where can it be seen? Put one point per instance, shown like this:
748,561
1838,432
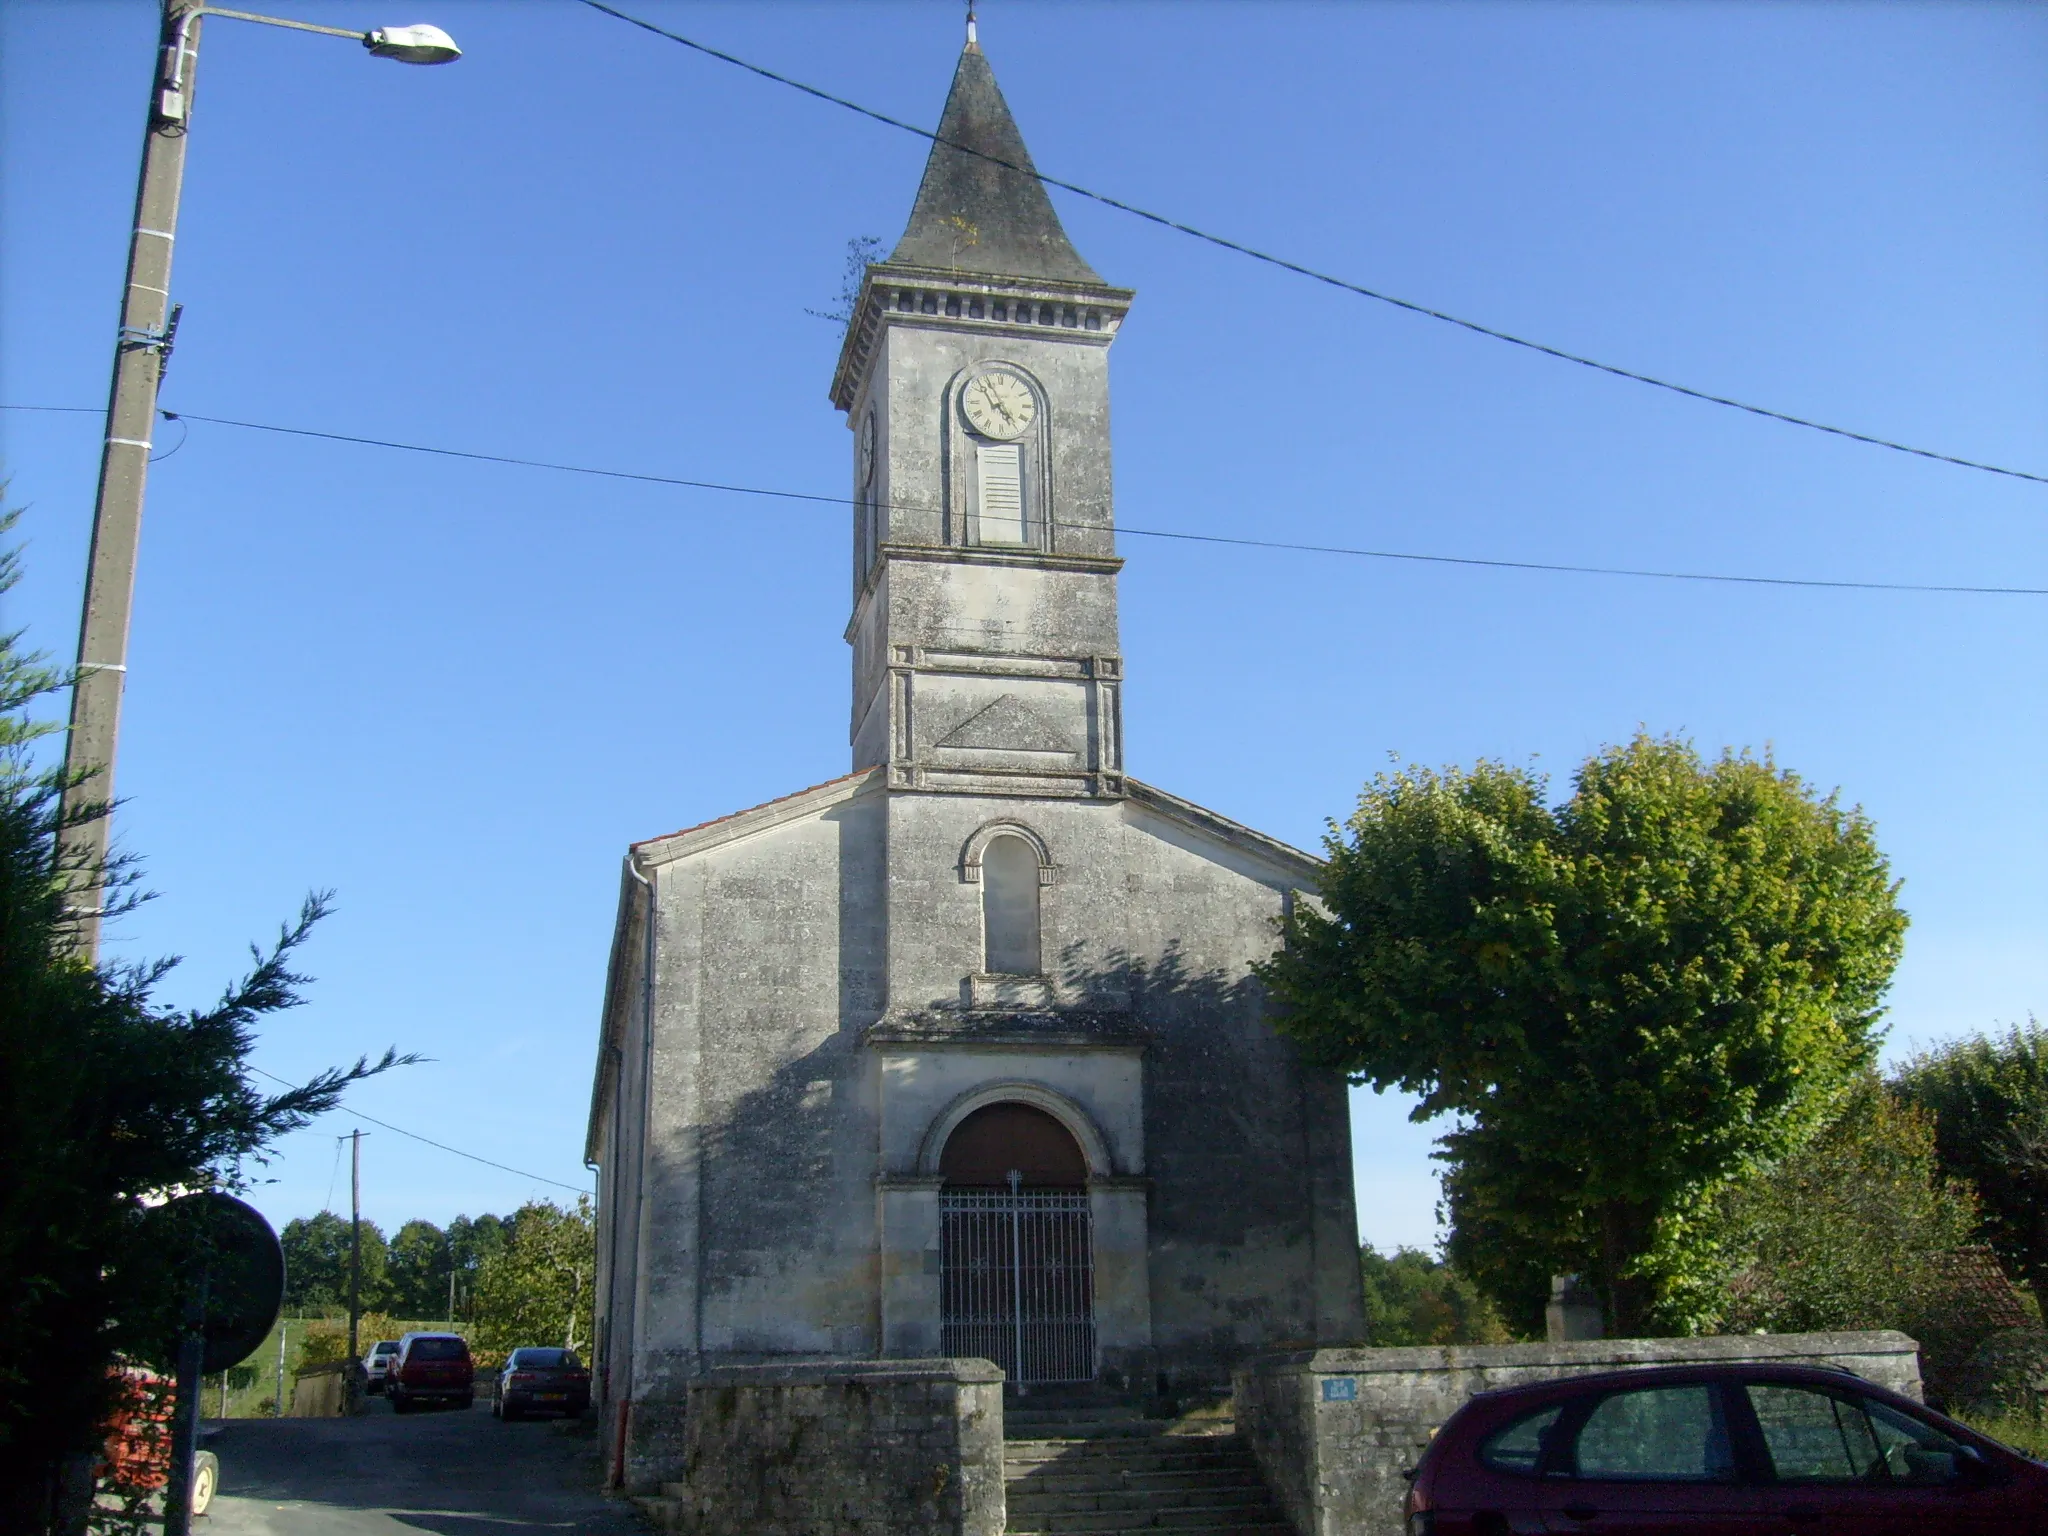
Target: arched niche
1071,1117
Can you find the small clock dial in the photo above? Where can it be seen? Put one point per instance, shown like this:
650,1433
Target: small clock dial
999,405
864,451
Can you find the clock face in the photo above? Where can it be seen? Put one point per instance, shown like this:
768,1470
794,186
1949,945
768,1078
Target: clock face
864,451
999,405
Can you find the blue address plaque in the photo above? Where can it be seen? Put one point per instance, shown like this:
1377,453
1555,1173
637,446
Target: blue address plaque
1340,1389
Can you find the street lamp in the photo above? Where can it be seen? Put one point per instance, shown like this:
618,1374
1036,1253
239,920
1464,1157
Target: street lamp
149,324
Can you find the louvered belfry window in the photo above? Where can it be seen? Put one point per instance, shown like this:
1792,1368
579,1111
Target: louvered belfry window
1000,517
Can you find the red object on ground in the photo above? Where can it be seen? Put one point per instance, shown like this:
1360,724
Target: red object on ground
138,1443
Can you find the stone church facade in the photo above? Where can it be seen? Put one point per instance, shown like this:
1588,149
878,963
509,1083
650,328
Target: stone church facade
959,1054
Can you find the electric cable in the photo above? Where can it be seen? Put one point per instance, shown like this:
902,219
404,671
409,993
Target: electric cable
1477,561
1148,533
1226,243
442,1145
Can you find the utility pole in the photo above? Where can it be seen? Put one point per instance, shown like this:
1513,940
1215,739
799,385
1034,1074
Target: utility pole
451,1293
141,348
355,1243
284,1333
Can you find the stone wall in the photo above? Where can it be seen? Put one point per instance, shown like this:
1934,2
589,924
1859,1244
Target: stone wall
838,1447
1335,1429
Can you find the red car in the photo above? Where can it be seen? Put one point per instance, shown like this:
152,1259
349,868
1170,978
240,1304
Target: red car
431,1368
1719,1450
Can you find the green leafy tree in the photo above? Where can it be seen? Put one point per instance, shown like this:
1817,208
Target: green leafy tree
538,1288
1989,1099
107,1098
1860,1226
470,1242
1854,1228
416,1273
1625,999
316,1262
1411,1298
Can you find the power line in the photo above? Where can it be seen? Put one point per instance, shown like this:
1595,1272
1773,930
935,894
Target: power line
1122,528
442,1145
1148,533
1300,270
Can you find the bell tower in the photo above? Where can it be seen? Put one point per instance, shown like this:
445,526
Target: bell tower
975,379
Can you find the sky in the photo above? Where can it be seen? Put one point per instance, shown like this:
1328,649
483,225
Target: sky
453,692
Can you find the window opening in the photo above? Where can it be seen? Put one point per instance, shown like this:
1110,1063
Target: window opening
1009,907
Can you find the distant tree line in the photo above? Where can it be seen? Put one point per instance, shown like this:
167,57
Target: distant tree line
527,1278
406,1275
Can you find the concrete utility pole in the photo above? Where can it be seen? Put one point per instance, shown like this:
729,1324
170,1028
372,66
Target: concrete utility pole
149,323
141,347
355,1243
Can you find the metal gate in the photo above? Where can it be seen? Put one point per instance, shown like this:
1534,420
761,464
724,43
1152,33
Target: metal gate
1017,1277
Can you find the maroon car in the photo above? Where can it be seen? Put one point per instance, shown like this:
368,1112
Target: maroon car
1719,1450
431,1368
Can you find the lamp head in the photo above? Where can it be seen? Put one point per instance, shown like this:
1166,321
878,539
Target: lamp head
413,45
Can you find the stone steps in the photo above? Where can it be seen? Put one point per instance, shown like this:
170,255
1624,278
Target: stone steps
1106,1476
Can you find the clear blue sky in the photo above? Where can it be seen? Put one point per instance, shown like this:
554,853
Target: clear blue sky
454,692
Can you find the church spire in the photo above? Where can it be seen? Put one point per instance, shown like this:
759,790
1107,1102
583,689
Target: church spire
981,208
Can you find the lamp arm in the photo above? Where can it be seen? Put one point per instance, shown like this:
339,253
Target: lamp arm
274,21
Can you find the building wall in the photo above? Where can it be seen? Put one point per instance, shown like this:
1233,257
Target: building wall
751,1227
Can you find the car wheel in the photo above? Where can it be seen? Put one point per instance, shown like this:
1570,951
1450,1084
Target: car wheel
468,1400
205,1478
510,1413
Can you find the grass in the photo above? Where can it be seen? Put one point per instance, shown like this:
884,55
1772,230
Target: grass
2023,1432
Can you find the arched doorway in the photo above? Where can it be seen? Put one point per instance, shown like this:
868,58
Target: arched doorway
1016,1253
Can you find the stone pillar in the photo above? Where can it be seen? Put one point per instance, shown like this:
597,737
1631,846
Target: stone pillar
908,1208
1573,1313
1123,1279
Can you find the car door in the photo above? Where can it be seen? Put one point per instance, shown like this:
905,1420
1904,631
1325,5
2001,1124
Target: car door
1845,1463
1657,1461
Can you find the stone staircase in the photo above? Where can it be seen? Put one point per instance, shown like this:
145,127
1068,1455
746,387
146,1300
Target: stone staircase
1105,1469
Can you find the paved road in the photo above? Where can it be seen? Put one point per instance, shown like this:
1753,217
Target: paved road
453,1473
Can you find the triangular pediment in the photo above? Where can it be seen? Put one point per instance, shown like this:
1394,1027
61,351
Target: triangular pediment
1007,725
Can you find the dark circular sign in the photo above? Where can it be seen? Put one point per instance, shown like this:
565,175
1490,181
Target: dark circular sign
230,1257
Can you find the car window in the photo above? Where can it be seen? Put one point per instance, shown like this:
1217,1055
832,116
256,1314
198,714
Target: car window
1914,1452
438,1349
543,1359
1656,1434
1815,1436
1518,1446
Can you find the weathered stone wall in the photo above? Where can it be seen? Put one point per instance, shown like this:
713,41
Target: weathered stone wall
824,1448
1334,1429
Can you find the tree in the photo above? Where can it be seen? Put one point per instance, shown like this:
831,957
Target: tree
470,1243
316,1262
1860,1227
1625,999
538,1289
1854,1228
1989,1099
416,1274
1411,1298
106,1098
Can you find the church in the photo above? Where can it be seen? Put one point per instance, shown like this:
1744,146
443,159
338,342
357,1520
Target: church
959,1054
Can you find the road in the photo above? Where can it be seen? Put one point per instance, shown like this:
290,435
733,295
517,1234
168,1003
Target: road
450,1472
